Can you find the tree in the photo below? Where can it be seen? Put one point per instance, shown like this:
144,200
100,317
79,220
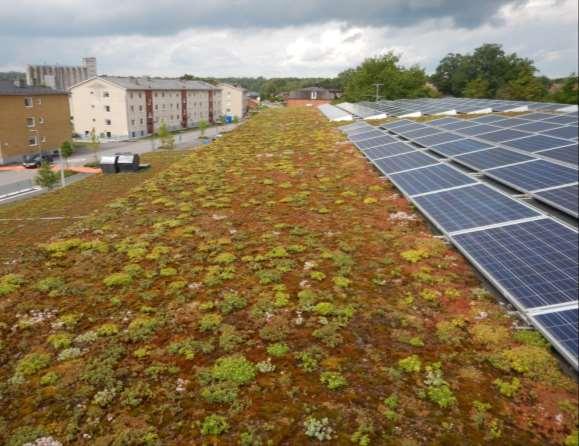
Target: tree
397,81
95,144
477,89
166,137
568,93
202,127
452,74
46,177
66,150
526,87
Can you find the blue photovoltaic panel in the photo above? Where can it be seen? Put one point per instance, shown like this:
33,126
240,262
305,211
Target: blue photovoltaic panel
563,120
360,130
511,122
366,135
471,207
534,175
375,142
394,124
406,161
439,138
477,129
487,159
489,119
568,132
443,121
502,135
420,132
535,262
429,179
567,154
460,146
407,128
537,126
534,143
565,199
350,128
562,328
460,125
537,116
395,148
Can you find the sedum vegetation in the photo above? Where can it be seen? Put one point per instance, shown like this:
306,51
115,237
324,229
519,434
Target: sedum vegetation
265,290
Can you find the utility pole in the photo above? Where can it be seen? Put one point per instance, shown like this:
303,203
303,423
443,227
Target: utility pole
61,159
377,90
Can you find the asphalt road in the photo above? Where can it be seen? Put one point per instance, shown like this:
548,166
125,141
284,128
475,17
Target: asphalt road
11,181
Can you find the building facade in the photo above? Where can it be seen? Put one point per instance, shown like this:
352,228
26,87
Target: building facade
130,107
234,100
32,120
309,97
61,77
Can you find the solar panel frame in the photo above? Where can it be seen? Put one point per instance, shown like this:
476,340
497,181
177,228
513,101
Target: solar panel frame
397,148
477,130
561,329
533,175
426,131
460,125
458,147
563,120
532,263
366,135
510,122
565,198
375,142
471,207
566,132
488,119
429,179
536,126
491,158
535,143
537,116
406,161
438,138
567,154
502,135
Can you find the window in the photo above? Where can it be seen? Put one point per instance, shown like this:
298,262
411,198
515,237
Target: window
43,139
33,140
106,94
108,134
141,120
132,108
28,102
140,108
314,95
30,122
156,107
107,122
142,132
133,134
39,101
133,123
41,120
131,96
139,95
107,108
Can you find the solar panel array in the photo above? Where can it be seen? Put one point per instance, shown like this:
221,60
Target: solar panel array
529,256
361,111
334,113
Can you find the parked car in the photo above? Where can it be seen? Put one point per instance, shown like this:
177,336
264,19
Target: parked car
36,160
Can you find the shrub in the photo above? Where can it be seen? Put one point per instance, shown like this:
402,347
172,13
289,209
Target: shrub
341,281
506,388
324,308
50,285
278,349
232,301
50,378
415,255
318,429
333,380
410,364
230,338
118,280
234,369
133,396
210,322
275,330
32,363
108,329
141,328
168,272
214,425
220,392
69,353
60,340
317,275
10,283
225,258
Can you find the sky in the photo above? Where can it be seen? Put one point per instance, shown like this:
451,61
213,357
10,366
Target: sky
275,38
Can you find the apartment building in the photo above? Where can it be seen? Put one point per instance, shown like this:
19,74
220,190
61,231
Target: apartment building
234,101
129,107
32,120
61,77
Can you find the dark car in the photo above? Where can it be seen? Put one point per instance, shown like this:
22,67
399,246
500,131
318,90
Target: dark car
36,160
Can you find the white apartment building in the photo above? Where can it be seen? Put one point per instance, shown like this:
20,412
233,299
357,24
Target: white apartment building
121,107
234,101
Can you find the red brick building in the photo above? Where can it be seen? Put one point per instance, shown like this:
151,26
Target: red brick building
309,97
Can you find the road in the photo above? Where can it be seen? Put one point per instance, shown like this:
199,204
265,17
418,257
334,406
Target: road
11,181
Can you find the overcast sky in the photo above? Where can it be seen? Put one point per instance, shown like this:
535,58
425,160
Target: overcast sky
279,38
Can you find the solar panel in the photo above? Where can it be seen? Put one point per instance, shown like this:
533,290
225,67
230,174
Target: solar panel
460,125
534,175
564,198
567,154
535,143
439,138
351,127
359,130
537,126
420,132
443,121
535,262
487,159
568,132
477,129
562,328
429,179
375,142
460,146
407,128
537,116
471,207
395,124
511,122
563,120
405,161
396,148
502,135
488,119
365,135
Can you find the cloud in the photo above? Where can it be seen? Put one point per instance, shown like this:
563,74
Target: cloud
169,17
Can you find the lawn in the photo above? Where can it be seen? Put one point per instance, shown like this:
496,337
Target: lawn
268,289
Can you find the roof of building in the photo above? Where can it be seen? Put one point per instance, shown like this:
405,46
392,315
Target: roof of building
152,83
305,93
10,88
236,87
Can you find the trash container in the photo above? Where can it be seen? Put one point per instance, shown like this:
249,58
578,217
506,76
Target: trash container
128,162
109,164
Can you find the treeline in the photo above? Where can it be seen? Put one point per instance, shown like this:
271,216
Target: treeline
488,72
11,75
